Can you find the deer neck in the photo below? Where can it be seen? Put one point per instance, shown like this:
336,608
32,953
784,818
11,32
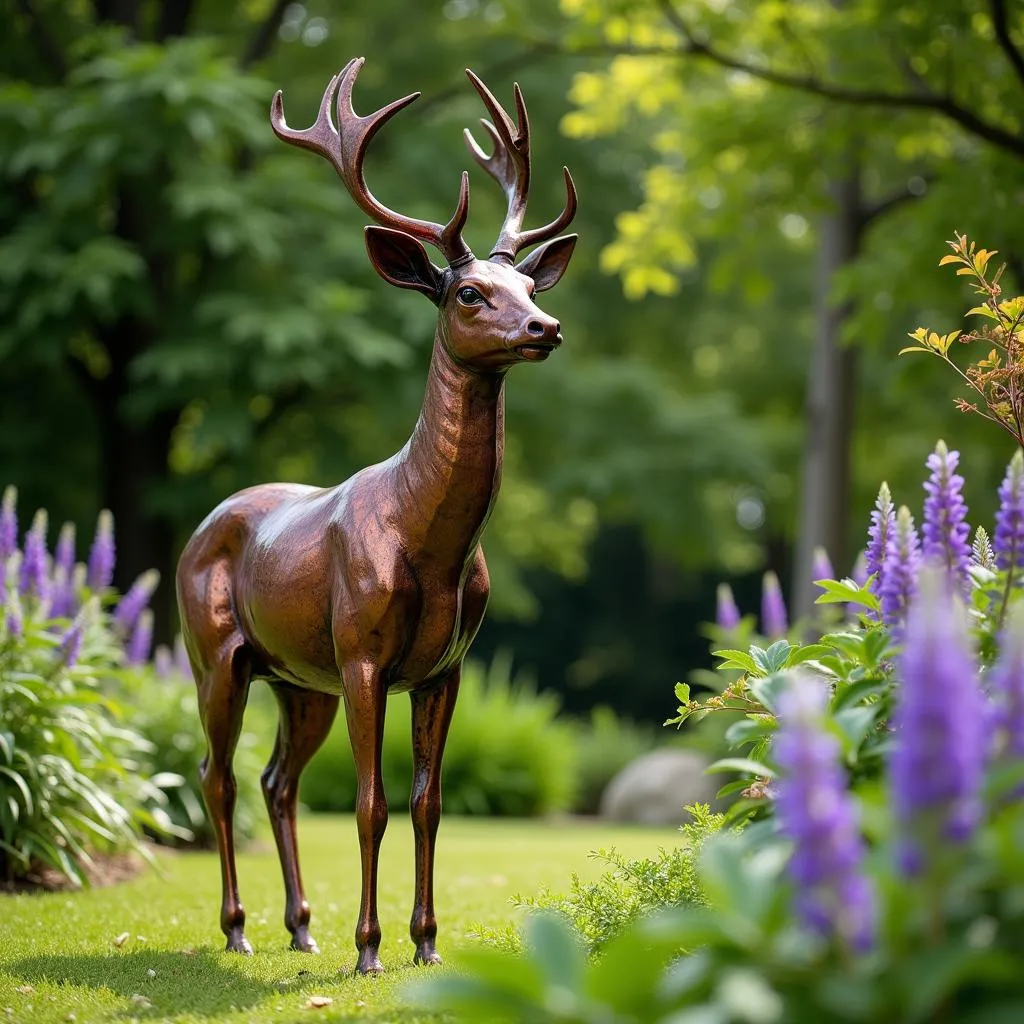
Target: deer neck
450,470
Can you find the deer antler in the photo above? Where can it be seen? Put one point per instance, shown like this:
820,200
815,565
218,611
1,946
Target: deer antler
345,147
509,165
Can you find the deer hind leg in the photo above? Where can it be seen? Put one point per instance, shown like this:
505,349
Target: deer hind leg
431,715
223,690
306,718
365,699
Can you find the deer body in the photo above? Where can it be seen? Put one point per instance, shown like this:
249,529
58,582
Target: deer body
377,585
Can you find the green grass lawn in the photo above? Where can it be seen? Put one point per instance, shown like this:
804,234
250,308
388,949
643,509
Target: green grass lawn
58,961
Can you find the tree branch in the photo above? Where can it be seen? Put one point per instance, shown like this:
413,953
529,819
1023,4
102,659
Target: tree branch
52,53
263,39
815,86
1002,28
870,211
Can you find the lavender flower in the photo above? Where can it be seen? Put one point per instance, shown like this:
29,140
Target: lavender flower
859,574
181,660
71,644
821,567
34,575
13,618
62,594
64,553
881,528
141,640
899,570
163,661
1006,683
1009,539
944,528
817,813
937,765
727,615
101,555
131,605
774,622
981,550
9,523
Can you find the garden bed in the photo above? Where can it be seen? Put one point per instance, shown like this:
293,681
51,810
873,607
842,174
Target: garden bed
58,955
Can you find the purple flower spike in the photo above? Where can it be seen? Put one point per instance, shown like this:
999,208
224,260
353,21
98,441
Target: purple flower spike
821,567
774,622
1006,682
13,618
101,556
943,527
34,576
817,813
181,663
64,553
899,570
882,523
163,661
937,765
62,594
1009,539
727,615
131,605
9,523
141,641
859,574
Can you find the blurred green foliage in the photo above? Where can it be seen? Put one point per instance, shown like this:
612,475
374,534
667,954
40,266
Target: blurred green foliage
186,307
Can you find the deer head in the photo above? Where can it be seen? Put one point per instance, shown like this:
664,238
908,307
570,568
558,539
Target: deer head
487,318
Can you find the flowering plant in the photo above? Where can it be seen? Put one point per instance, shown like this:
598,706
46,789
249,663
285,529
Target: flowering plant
75,778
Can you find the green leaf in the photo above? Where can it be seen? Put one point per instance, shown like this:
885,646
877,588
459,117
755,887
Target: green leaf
737,659
682,693
773,659
768,690
808,652
555,948
742,764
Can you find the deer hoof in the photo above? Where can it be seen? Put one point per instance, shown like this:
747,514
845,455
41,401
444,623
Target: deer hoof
426,955
238,943
303,942
369,962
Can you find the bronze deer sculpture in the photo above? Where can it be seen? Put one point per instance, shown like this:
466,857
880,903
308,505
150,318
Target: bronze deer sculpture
378,585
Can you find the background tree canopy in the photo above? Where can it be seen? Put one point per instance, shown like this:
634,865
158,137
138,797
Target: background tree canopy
186,306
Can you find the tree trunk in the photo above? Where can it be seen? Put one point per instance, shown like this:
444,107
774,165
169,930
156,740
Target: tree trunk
134,465
831,393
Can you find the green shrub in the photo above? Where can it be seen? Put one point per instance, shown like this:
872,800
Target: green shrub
508,754
601,910
605,744
74,777
164,711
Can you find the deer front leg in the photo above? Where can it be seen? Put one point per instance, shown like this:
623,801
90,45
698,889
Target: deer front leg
365,699
431,715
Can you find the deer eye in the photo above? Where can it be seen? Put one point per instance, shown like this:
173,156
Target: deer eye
469,296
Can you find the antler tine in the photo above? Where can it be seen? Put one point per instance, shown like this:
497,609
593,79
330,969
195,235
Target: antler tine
345,147
509,165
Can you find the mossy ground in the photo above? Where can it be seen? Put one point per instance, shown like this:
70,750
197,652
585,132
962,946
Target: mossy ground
58,961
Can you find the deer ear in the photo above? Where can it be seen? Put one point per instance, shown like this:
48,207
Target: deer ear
547,264
401,260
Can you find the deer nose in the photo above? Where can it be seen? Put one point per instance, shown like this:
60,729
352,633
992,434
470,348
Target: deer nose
548,329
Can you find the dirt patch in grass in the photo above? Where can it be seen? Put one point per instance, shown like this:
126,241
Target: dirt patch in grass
106,869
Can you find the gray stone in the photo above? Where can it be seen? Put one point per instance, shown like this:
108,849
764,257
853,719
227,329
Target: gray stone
654,789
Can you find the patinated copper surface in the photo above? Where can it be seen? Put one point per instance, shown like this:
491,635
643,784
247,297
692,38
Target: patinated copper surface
377,585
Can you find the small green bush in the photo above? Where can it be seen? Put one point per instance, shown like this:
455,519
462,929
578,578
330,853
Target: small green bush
164,711
74,777
601,910
508,754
